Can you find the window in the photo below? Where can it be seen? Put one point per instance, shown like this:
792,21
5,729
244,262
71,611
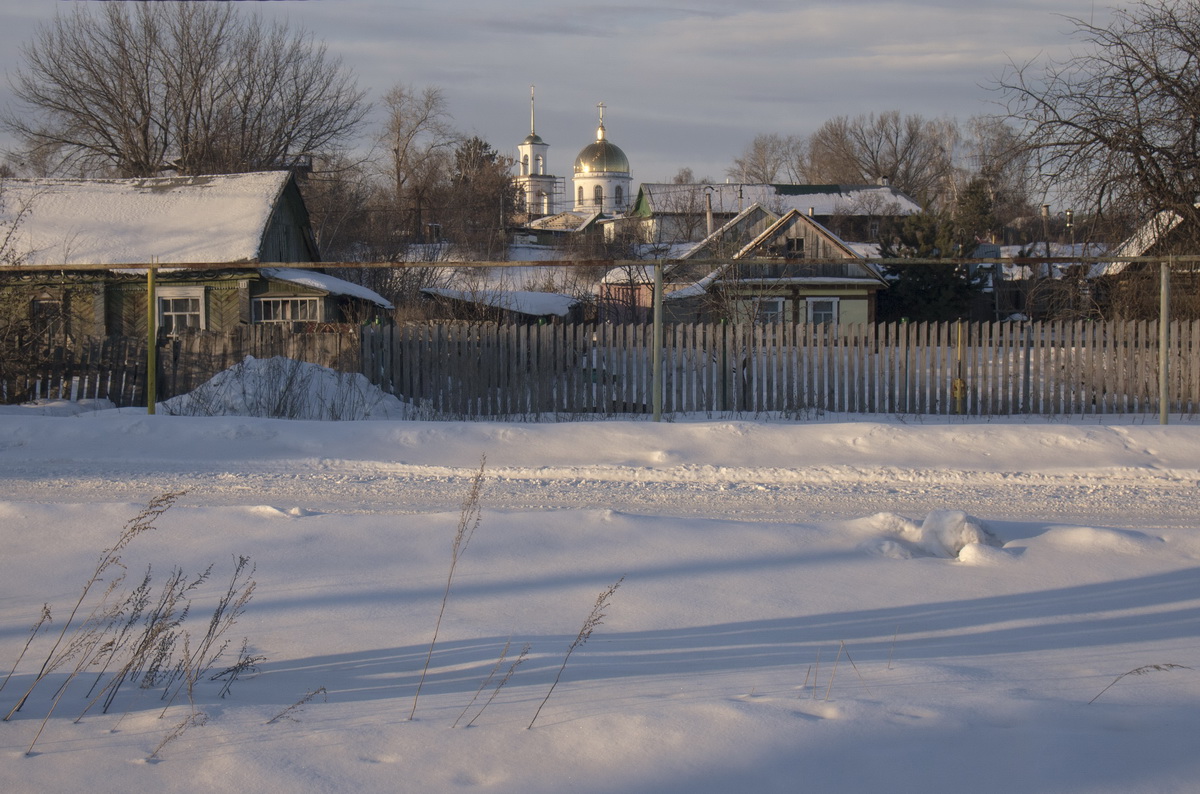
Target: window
525,165
181,309
47,318
580,201
287,310
794,248
598,195
620,196
541,165
823,310
769,310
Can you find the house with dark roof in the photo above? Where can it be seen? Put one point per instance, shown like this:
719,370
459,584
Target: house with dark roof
234,232
665,213
759,267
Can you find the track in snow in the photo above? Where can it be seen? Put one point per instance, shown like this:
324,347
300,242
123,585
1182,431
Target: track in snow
1140,499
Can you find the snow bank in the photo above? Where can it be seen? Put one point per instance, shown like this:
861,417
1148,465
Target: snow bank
281,388
943,533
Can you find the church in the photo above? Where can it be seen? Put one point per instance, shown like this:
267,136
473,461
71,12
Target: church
601,182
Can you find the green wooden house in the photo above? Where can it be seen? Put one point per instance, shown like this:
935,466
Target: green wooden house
225,228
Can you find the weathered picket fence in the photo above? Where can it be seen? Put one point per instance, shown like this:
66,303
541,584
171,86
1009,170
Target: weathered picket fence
461,370
108,368
981,369
114,368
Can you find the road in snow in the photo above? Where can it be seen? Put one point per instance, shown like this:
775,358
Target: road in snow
814,493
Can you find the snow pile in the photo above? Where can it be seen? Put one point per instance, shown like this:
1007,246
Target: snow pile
280,388
943,533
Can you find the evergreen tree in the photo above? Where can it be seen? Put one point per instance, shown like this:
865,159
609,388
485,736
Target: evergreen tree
927,291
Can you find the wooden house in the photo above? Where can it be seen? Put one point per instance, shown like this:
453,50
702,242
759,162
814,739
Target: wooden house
758,267
224,227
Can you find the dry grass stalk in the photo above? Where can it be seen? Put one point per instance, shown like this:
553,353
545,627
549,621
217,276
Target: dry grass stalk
594,619
287,713
1150,668
194,718
491,674
109,559
511,669
862,680
469,517
833,675
33,632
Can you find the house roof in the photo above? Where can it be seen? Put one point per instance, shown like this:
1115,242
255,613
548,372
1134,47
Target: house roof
669,198
535,304
755,209
564,222
1140,242
171,220
326,283
768,234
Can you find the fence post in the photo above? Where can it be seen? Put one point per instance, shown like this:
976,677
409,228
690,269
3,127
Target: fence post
151,343
1164,338
657,355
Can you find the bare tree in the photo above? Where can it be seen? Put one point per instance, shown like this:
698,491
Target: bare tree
1115,126
997,160
135,89
769,159
911,153
418,141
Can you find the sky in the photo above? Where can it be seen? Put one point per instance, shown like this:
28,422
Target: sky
687,83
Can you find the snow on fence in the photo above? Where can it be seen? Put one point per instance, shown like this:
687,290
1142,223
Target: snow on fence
114,368
981,369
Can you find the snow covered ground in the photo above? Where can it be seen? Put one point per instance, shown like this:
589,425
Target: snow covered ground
860,606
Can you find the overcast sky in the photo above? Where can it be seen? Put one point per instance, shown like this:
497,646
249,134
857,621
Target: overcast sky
687,83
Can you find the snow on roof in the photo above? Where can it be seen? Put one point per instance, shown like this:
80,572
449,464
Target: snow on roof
1140,241
698,288
822,199
629,274
127,221
732,223
323,281
535,304
564,222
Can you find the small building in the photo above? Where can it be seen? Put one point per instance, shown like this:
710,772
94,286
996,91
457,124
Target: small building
226,228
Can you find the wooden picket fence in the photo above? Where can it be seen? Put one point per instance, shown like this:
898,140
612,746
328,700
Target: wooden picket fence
460,370
107,368
978,369
114,368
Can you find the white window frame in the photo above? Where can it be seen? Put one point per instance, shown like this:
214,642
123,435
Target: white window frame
770,310
810,305
285,309
164,294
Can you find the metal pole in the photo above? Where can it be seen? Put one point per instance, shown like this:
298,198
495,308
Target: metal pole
657,341
151,343
1164,339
